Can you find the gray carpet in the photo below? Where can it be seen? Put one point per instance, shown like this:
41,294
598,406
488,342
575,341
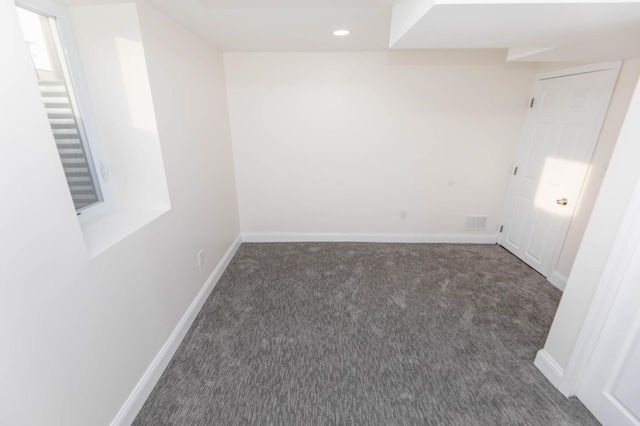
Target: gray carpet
367,334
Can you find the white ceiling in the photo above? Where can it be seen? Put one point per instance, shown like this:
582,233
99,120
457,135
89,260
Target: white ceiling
275,25
543,31
340,4
532,30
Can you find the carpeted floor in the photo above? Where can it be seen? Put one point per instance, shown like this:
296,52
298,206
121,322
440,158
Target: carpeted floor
367,334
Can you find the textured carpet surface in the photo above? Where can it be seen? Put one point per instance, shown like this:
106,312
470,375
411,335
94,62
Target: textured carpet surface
367,334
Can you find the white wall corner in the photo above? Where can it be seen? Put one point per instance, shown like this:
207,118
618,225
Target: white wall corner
405,15
558,280
285,237
150,378
523,53
549,367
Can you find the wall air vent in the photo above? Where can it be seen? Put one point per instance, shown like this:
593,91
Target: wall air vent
475,223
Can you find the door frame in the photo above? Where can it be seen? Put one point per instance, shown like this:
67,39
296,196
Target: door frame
612,277
556,279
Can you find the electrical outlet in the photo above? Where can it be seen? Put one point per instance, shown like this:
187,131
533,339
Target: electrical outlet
200,258
403,215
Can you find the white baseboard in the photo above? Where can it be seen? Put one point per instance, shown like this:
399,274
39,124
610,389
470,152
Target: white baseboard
369,238
549,367
558,280
141,392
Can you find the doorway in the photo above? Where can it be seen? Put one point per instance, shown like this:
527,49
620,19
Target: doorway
610,385
561,129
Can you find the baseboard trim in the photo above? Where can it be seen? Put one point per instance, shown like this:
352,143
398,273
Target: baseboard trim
150,378
558,280
369,238
549,367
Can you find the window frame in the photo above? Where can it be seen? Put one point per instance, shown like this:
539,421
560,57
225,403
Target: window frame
79,95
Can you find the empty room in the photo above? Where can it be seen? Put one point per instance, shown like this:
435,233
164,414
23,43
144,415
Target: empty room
332,212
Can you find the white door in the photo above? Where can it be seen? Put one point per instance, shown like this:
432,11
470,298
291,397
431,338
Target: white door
610,386
559,136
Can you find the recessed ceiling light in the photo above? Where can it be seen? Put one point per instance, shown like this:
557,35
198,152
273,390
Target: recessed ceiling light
341,33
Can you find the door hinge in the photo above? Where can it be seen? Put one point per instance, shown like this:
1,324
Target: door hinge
515,170
533,100
501,228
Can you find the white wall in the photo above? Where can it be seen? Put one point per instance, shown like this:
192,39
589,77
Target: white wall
78,333
598,239
342,142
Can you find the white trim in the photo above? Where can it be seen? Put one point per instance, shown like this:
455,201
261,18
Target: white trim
549,367
280,237
582,69
615,268
141,392
558,280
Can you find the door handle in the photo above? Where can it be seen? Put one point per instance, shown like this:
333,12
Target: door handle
562,201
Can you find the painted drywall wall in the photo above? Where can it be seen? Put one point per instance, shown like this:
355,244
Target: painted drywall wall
343,142
627,79
600,234
78,333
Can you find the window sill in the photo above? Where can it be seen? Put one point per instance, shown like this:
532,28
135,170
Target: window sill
107,230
